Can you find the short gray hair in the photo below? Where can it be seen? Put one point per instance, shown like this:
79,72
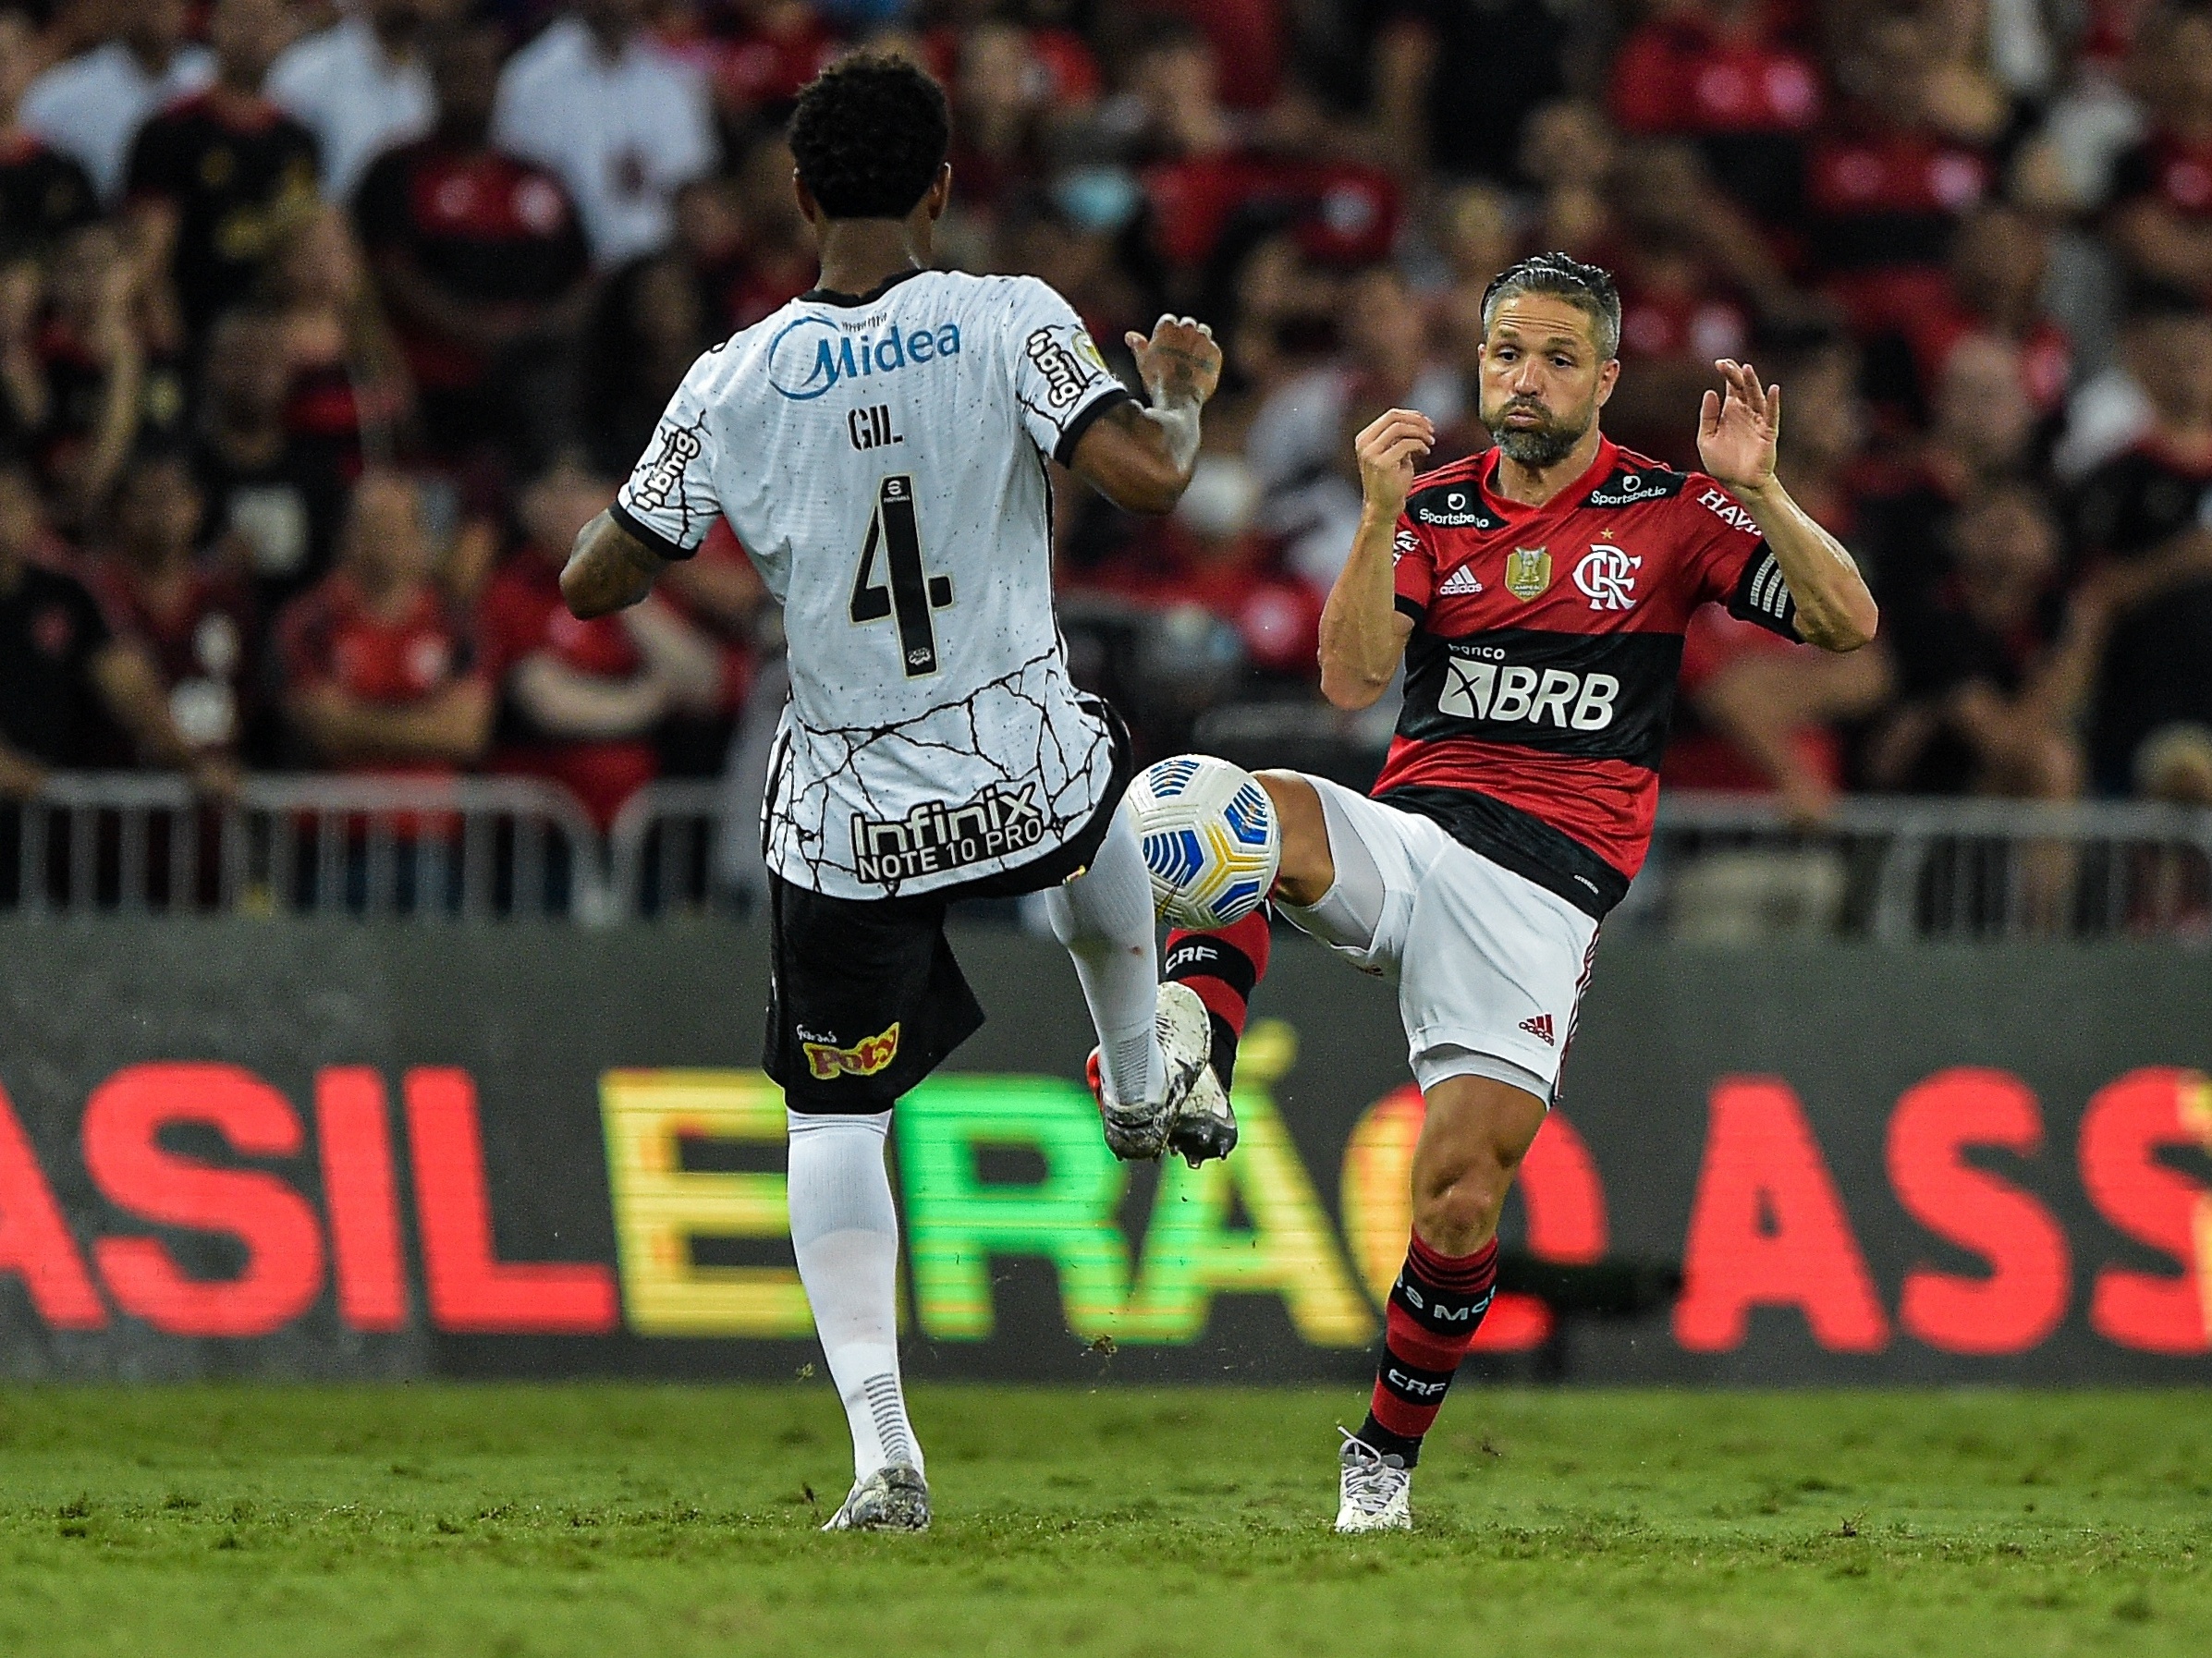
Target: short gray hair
1586,287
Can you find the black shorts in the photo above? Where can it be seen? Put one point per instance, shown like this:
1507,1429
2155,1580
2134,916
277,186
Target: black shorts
866,998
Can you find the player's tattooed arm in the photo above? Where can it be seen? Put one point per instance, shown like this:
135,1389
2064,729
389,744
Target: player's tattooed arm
1363,633
1141,459
1738,430
608,570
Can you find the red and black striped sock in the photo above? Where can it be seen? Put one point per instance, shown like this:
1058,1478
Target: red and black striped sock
1436,1307
1223,967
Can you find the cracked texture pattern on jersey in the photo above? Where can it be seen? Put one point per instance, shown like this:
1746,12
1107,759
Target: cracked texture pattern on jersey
853,809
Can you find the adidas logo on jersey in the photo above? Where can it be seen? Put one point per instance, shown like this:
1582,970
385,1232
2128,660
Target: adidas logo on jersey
1460,583
1540,1028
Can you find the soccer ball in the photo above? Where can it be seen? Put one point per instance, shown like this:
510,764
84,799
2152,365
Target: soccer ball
1211,839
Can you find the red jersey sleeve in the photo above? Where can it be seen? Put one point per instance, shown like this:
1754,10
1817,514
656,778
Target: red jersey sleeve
1729,561
1414,561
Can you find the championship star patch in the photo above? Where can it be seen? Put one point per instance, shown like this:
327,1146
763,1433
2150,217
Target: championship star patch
865,1058
1528,572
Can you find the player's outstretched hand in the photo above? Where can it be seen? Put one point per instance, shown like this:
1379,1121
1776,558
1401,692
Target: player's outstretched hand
1388,449
1738,427
1180,363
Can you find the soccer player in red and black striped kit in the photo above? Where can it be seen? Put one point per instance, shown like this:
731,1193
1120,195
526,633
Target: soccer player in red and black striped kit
1537,595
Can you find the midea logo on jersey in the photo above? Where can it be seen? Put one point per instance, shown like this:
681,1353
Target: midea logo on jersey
1485,691
813,355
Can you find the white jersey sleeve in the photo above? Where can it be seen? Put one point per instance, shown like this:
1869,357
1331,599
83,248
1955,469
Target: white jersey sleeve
1060,380
669,502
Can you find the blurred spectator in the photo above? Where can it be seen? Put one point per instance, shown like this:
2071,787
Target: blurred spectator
650,328
66,681
482,267
379,673
1719,72
747,240
1982,431
1457,82
2160,198
44,193
774,49
1914,147
220,179
622,123
91,107
1298,449
71,370
359,86
1973,655
2141,522
579,702
1998,264
198,625
272,502
349,389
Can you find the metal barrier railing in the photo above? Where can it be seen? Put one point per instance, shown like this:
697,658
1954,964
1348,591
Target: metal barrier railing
666,849
1723,868
1730,866
472,849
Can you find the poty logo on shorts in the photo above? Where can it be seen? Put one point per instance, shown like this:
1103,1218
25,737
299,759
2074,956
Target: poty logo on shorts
1607,577
865,1058
810,355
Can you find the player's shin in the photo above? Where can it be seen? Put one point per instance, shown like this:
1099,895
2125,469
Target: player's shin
1223,967
845,1233
1104,919
1435,1308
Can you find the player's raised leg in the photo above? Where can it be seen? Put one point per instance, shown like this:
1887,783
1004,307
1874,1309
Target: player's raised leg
1149,1051
1477,1132
845,1232
1223,965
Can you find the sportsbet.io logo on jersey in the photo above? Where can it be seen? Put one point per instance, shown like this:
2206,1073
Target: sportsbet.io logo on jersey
935,837
812,355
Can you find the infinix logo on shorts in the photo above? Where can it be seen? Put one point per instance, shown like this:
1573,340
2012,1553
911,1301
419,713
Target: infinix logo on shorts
813,355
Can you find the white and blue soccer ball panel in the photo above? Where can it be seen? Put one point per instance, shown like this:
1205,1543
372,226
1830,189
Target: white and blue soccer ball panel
1210,839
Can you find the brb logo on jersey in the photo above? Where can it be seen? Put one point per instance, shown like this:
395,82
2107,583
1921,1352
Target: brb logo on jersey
1607,577
812,355
679,448
1478,689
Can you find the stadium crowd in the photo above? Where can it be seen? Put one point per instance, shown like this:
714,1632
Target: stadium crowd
323,330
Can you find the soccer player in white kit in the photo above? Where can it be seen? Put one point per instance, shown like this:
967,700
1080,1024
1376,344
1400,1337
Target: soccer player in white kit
879,446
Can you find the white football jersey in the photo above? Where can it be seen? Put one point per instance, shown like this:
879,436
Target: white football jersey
882,462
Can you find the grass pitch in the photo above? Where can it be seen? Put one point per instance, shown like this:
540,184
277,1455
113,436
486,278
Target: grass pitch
673,1521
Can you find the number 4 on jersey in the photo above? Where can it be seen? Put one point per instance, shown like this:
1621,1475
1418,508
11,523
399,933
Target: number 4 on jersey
910,594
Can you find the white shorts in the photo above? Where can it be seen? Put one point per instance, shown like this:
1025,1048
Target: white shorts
1490,968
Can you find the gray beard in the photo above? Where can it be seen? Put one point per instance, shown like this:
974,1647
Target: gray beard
1538,448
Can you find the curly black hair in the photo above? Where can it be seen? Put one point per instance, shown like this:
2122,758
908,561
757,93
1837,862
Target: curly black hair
869,135
1586,287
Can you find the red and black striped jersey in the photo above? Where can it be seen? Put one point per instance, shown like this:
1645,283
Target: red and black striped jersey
1546,643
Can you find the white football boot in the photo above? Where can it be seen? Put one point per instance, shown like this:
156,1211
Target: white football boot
1375,1493
891,1499
1206,1126
1138,1133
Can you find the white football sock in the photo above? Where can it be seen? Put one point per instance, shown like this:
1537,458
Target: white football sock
845,1233
1104,916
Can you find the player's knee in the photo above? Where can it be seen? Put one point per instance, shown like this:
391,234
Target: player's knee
1307,871
1457,1200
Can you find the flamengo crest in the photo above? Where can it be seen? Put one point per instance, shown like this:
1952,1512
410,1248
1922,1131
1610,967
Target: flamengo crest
1607,577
